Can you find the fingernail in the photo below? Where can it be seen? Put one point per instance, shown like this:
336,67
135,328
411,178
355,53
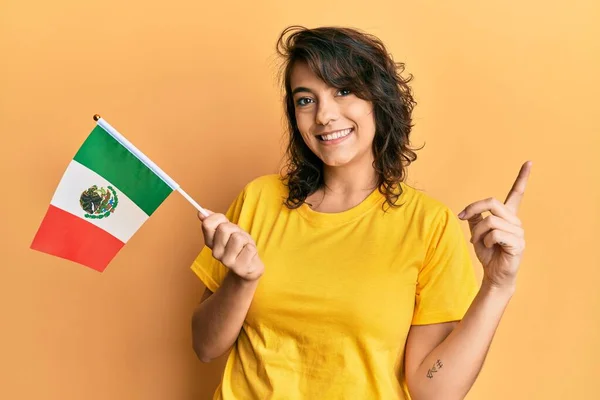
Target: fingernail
462,214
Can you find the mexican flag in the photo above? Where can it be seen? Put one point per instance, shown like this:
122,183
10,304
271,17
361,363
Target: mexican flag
107,192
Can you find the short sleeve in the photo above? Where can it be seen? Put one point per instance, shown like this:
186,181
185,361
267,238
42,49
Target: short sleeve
210,270
446,283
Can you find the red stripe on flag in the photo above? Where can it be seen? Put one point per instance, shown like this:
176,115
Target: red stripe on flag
67,236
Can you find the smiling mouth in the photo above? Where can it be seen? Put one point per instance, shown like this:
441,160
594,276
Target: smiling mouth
335,135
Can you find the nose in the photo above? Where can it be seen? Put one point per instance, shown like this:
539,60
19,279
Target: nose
327,111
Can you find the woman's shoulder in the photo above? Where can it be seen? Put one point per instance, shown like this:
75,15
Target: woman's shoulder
423,202
265,186
272,182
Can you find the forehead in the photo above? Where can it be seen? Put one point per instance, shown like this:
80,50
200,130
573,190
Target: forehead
302,75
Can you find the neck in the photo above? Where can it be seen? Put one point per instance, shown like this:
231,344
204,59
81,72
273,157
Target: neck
345,187
349,180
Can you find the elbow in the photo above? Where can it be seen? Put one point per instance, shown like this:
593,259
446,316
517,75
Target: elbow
199,346
204,349
207,354
204,359
202,354
412,387
205,346
414,394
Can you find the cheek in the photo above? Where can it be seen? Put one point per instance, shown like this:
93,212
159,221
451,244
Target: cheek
366,121
361,112
304,122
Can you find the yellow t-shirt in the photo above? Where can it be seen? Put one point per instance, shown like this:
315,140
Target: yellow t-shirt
332,311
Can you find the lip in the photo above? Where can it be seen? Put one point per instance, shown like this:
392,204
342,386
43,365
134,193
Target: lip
335,141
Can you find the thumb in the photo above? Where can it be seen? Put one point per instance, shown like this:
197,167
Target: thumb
202,217
474,220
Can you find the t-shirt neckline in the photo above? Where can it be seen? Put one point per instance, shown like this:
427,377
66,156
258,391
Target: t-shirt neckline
330,219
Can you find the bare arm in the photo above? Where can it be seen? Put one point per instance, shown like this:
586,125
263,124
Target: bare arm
217,320
450,368
445,359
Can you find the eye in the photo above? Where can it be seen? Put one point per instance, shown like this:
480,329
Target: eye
303,101
344,92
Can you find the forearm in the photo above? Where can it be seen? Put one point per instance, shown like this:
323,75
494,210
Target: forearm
217,321
451,368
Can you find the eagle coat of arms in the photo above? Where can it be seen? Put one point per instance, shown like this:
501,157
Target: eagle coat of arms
99,202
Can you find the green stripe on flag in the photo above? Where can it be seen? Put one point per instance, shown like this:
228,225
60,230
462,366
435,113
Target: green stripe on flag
104,155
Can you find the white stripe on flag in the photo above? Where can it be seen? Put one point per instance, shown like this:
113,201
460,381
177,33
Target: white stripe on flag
127,217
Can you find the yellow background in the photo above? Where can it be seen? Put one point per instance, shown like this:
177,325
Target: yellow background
193,85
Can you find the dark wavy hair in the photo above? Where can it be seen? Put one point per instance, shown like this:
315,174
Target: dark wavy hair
347,58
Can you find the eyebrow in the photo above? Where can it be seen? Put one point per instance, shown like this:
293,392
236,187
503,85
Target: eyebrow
301,89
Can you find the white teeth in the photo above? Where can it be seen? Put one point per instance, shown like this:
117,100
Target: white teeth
337,135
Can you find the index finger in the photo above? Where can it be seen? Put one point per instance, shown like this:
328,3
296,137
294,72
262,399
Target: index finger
514,197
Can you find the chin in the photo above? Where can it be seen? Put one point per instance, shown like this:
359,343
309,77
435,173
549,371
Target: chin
336,162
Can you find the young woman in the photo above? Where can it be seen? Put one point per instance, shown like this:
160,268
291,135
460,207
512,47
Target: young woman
337,280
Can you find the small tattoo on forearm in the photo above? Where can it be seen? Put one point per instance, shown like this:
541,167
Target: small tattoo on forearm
436,367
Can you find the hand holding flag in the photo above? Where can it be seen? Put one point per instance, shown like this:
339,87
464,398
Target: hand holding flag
232,246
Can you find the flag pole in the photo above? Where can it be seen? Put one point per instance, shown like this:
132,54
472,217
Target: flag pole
144,159
196,205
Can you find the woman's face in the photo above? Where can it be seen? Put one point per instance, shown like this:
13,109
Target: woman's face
335,124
